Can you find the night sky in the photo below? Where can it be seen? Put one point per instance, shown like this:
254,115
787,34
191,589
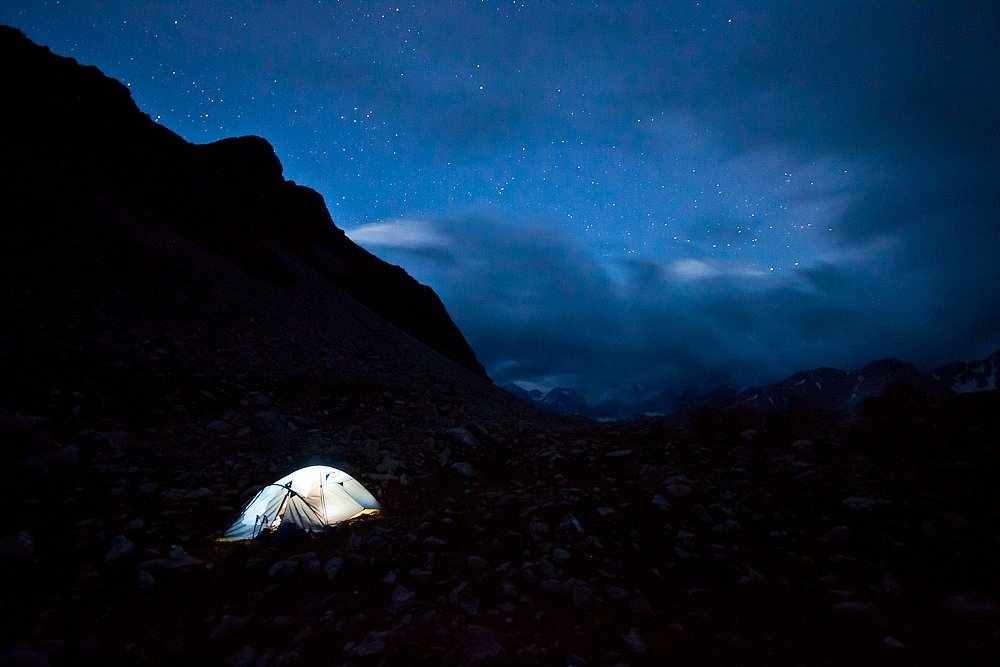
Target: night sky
606,193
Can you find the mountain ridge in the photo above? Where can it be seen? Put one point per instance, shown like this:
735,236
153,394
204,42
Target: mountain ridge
822,390
77,136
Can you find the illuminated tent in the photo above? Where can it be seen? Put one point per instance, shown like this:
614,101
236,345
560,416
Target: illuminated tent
312,499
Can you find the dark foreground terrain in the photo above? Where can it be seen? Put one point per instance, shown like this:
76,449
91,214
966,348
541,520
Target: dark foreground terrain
513,540
179,326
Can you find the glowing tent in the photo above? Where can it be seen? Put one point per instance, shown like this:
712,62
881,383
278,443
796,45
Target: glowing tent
312,498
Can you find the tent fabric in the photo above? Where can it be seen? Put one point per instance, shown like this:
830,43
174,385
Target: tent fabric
311,498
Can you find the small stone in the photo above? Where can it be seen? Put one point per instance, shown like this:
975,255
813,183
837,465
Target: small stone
678,491
402,599
226,627
660,503
618,454
21,545
476,562
972,603
727,527
478,646
865,614
366,649
144,579
464,468
634,641
891,642
864,505
24,657
121,547
332,567
288,659
560,554
891,585
639,605
244,657
616,593
283,569
463,437
803,446
583,596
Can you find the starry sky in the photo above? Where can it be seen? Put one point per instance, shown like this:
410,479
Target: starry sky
675,194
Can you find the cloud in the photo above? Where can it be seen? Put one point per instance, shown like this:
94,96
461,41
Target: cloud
539,306
399,233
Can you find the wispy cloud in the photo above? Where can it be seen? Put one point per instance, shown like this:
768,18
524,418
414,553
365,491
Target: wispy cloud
399,233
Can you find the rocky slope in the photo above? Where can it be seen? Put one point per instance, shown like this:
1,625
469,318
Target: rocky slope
153,376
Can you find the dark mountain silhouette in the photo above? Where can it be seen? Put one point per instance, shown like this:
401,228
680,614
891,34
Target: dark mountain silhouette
88,173
833,391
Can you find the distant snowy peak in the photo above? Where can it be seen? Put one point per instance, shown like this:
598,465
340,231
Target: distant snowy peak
565,401
971,377
829,390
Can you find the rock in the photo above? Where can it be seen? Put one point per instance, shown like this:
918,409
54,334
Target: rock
121,547
891,585
462,437
478,646
803,446
560,555
21,545
972,603
582,595
176,558
616,593
660,503
634,641
402,599
835,536
860,505
860,614
677,491
464,468
727,527
618,454
553,588
332,567
23,657
639,605
243,657
373,644
144,580
476,563
310,564
288,659
891,642
283,569
539,529
226,628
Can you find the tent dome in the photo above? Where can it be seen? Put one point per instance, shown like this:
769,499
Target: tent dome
312,498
